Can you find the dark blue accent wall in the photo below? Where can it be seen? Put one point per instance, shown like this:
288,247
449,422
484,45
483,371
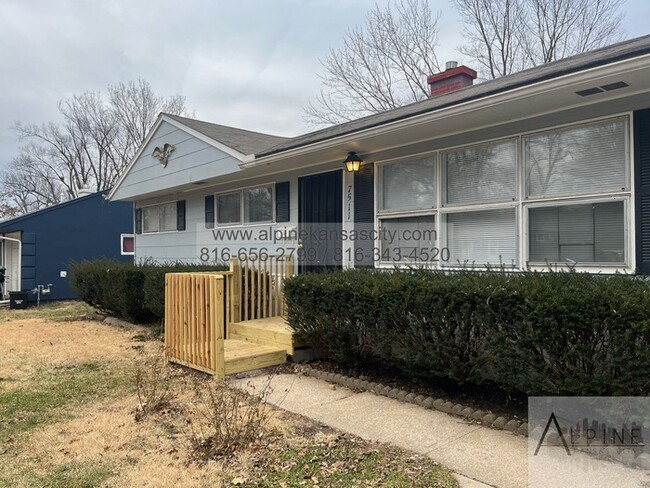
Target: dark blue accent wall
86,228
642,188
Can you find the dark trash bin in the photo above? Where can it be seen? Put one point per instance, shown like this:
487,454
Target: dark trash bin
18,300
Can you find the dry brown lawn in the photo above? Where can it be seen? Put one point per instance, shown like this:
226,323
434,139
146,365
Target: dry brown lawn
67,405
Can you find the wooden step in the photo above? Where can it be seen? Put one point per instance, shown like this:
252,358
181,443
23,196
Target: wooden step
246,356
273,331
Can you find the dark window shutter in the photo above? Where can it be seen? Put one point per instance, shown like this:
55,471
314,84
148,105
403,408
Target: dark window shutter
364,212
642,188
180,215
209,212
282,202
138,221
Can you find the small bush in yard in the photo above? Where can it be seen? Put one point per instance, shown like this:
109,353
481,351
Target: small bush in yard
113,287
153,381
129,291
534,333
225,420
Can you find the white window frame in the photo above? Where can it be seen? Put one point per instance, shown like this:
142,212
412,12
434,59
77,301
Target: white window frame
520,202
216,208
627,123
443,238
122,251
379,189
381,214
240,191
606,267
157,206
443,172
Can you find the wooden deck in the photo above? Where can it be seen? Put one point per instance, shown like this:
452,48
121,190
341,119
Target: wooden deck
230,321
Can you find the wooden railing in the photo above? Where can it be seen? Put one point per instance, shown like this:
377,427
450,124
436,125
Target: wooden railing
261,291
199,307
194,321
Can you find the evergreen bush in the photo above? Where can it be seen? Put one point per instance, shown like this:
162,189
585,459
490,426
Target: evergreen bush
561,333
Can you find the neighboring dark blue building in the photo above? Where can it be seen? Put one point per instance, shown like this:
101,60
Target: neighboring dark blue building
37,248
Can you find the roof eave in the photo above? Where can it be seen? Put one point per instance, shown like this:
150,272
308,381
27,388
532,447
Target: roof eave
509,95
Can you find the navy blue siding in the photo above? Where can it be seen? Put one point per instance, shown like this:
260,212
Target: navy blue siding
86,228
642,188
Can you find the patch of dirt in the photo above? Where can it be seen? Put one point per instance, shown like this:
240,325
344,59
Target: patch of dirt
144,454
36,343
157,451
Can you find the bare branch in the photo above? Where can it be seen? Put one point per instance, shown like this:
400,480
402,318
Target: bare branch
88,149
505,36
380,66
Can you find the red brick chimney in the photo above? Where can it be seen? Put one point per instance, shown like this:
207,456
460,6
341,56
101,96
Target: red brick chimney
453,78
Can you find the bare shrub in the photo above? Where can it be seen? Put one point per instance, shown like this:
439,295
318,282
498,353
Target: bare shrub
153,381
226,419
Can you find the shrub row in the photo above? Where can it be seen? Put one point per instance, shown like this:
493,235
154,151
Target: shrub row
533,333
132,292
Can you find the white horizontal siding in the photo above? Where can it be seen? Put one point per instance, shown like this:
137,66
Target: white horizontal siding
186,245
192,160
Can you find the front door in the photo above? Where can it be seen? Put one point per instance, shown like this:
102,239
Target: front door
320,219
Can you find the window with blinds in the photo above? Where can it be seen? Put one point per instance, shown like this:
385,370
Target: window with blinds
229,208
483,173
408,185
408,239
159,218
566,190
576,160
168,216
486,237
575,234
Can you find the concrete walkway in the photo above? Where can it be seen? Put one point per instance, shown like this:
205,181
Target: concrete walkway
478,456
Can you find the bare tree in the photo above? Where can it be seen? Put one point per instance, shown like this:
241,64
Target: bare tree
380,66
494,40
88,149
505,36
136,107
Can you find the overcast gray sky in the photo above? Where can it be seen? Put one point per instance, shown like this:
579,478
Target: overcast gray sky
249,64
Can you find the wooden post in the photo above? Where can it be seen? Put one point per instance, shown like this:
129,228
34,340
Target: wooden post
168,317
218,314
288,272
235,285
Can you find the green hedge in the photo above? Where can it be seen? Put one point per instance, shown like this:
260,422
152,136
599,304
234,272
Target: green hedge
132,292
533,333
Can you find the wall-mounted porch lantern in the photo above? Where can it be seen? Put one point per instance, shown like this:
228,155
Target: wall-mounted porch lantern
352,162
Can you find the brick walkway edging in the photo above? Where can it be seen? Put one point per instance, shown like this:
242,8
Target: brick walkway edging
478,416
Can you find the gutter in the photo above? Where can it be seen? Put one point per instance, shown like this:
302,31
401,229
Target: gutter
503,97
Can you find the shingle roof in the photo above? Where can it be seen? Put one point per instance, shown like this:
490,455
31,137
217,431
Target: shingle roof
244,141
616,52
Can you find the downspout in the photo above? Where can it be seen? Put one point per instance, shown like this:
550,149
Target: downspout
20,259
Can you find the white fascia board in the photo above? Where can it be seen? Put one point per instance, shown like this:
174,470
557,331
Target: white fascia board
508,96
164,118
